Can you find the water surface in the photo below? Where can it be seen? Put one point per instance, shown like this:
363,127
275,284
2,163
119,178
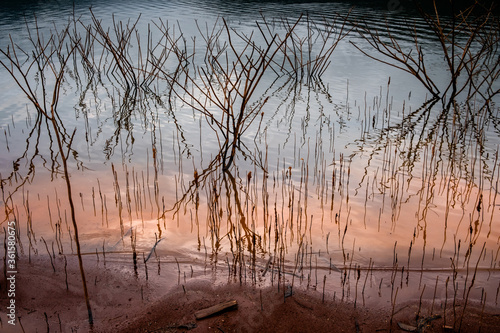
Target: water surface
356,170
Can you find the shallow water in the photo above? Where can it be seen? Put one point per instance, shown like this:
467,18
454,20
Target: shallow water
359,171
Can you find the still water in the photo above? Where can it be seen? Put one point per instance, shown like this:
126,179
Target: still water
355,169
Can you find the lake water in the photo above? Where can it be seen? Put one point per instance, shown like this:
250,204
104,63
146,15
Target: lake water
355,169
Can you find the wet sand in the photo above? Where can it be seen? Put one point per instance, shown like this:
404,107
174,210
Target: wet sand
167,302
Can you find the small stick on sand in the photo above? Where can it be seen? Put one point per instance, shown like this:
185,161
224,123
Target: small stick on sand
215,309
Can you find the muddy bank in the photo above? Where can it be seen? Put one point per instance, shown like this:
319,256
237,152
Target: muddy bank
167,302
268,310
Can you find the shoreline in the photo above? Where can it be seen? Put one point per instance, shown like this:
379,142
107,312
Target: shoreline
167,302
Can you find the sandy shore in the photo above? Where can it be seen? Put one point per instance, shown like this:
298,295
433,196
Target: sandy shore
167,302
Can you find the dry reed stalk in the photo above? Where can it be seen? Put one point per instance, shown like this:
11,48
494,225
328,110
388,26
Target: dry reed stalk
45,62
133,242
420,303
368,272
393,301
104,252
470,286
460,57
48,252
434,297
358,270
145,268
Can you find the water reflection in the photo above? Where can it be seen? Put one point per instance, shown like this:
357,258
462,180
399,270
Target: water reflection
324,175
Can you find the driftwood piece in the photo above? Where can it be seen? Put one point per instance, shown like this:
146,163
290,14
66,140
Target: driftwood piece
215,309
407,328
